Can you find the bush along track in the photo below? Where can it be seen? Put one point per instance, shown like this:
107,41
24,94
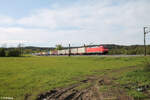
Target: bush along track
113,85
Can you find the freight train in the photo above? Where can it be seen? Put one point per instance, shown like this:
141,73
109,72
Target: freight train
81,51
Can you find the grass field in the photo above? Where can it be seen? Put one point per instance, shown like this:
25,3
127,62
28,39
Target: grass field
34,75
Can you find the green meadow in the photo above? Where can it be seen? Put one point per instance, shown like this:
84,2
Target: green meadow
21,76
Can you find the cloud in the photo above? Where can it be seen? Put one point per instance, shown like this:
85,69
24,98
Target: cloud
98,21
89,16
6,20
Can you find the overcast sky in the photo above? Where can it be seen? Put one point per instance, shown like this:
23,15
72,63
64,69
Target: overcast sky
51,22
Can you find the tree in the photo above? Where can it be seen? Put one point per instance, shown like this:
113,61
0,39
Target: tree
14,53
2,52
59,47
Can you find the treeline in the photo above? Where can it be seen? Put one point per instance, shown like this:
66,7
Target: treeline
129,50
16,52
113,50
31,49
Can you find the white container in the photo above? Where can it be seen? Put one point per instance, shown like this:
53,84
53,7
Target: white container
74,51
81,50
66,51
63,52
59,52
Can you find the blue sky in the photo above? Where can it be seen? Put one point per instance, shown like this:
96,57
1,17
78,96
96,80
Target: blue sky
51,22
20,8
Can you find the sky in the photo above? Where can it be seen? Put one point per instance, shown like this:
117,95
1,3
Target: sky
78,22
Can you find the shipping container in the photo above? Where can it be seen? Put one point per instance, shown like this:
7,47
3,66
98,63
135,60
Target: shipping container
74,51
82,50
61,52
55,52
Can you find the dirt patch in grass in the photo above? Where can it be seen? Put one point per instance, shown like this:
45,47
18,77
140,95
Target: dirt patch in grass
92,88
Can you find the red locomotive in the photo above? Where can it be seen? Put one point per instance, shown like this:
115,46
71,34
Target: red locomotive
97,50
